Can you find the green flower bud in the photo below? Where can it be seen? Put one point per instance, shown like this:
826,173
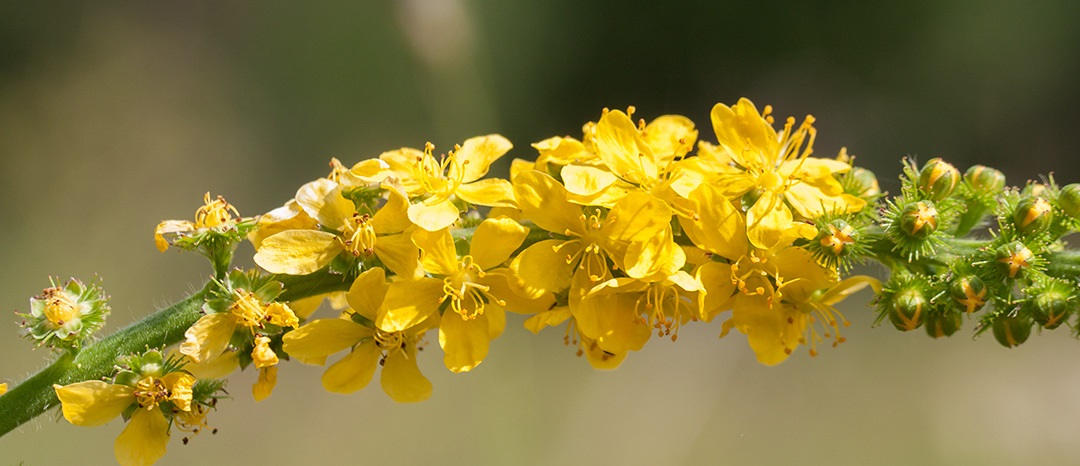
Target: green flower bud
66,316
1069,200
1050,308
1014,258
836,235
1033,215
985,180
943,324
968,292
919,219
862,183
938,179
1011,331
907,310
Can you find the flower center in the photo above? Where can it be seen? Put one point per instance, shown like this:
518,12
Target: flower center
467,297
59,307
439,177
359,235
150,391
214,213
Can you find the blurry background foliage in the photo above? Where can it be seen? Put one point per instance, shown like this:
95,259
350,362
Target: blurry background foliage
113,117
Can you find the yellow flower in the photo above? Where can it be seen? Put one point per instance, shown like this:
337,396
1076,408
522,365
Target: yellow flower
305,248
777,167
782,296
266,361
621,313
210,335
456,175
371,297
635,236
3,388
143,440
215,213
635,158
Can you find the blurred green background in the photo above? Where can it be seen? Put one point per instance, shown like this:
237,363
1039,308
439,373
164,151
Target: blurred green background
115,116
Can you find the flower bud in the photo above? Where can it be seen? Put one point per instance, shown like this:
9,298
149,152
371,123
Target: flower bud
1013,330
919,219
1014,258
65,316
1050,308
968,292
938,179
1069,200
985,180
862,183
837,235
1033,215
907,309
944,323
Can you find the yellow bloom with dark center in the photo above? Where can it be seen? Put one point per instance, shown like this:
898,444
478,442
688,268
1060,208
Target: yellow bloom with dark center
143,440
778,167
436,182
370,297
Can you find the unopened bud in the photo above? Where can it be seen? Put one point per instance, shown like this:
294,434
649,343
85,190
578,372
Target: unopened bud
943,324
919,219
862,183
938,179
907,310
1069,200
837,235
1050,308
968,292
1011,331
1033,215
1014,258
985,180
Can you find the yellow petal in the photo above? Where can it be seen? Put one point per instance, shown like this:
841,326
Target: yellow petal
313,342
670,137
585,180
763,326
494,240
170,227
499,285
544,201
496,318
298,252
439,256
767,220
393,217
262,355
540,269
401,377
655,255
637,217
93,403
492,192
366,294
409,303
305,307
287,217
519,166
599,358
143,440
400,255
403,162
464,342
264,386
715,277
477,154
620,145
560,151
719,227
435,216
180,386
550,318
209,336
322,200
3,388
848,287
353,372
749,139
215,368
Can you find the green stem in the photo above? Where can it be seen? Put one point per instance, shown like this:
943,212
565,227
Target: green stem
35,395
